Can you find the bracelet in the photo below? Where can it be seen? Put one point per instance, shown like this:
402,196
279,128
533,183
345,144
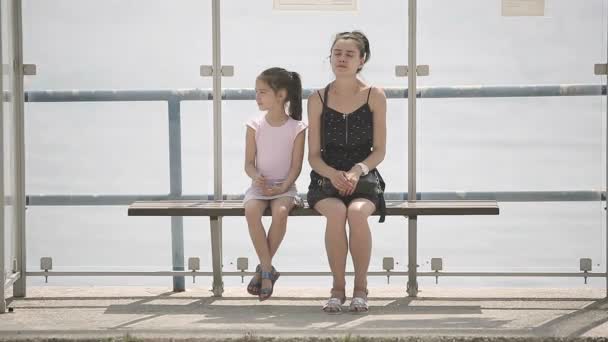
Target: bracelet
364,169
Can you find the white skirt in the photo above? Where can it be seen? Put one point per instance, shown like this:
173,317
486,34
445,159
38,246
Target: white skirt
255,193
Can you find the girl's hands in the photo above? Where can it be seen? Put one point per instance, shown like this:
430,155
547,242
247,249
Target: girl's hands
268,189
259,181
274,190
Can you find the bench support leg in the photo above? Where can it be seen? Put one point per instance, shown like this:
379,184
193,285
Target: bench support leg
216,255
412,250
177,251
2,295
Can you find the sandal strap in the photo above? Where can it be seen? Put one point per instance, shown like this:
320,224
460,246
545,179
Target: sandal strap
340,299
337,293
334,301
334,304
357,293
359,301
359,304
267,275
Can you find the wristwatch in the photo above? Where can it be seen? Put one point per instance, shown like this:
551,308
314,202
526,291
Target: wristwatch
364,169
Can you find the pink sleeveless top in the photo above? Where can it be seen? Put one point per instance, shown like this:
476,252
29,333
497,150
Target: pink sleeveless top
274,149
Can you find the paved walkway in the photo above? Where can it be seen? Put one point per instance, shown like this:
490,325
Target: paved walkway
99,312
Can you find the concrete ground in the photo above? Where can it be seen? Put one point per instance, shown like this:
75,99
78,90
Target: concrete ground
158,313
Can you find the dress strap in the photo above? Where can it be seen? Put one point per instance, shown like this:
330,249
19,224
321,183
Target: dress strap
368,94
324,98
323,121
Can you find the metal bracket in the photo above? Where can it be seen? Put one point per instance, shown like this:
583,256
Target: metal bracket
206,70
436,265
194,264
601,69
29,69
423,70
242,264
388,264
586,266
46,264
402,70
226,70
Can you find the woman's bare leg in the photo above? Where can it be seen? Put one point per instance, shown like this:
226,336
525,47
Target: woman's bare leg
336,242
360,240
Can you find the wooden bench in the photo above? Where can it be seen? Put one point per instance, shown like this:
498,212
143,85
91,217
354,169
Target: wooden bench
215,210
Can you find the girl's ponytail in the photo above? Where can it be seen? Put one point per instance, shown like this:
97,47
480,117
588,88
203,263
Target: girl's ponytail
294,95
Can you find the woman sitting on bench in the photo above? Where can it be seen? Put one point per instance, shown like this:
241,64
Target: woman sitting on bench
347,141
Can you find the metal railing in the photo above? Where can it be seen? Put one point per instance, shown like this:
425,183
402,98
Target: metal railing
175,97
249,94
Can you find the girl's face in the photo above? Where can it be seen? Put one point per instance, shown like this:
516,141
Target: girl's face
266,98
345,57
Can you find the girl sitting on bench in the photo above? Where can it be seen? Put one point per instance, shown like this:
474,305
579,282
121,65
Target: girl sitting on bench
273,160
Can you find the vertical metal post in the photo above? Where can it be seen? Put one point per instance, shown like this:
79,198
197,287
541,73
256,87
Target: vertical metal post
412,283
2,195
606,156
175,186
216,223
216,256
19,288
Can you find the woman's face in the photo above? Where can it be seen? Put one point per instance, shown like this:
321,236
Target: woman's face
345,57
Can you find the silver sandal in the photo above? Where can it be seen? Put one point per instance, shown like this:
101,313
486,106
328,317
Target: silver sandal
359,303
334,303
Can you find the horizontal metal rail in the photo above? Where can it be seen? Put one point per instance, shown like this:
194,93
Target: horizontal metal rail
312,274
501,196
249,93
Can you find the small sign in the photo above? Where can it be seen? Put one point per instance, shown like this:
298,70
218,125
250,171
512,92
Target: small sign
315,5
518,8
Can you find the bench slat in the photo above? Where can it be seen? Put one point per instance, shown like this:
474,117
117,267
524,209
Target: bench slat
235,208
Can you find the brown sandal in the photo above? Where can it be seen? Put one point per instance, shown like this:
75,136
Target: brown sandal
266,292
254,285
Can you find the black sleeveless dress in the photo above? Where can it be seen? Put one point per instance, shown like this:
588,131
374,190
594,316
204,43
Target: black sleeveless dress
348,140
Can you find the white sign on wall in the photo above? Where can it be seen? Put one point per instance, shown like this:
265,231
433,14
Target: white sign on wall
516,8
315,5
